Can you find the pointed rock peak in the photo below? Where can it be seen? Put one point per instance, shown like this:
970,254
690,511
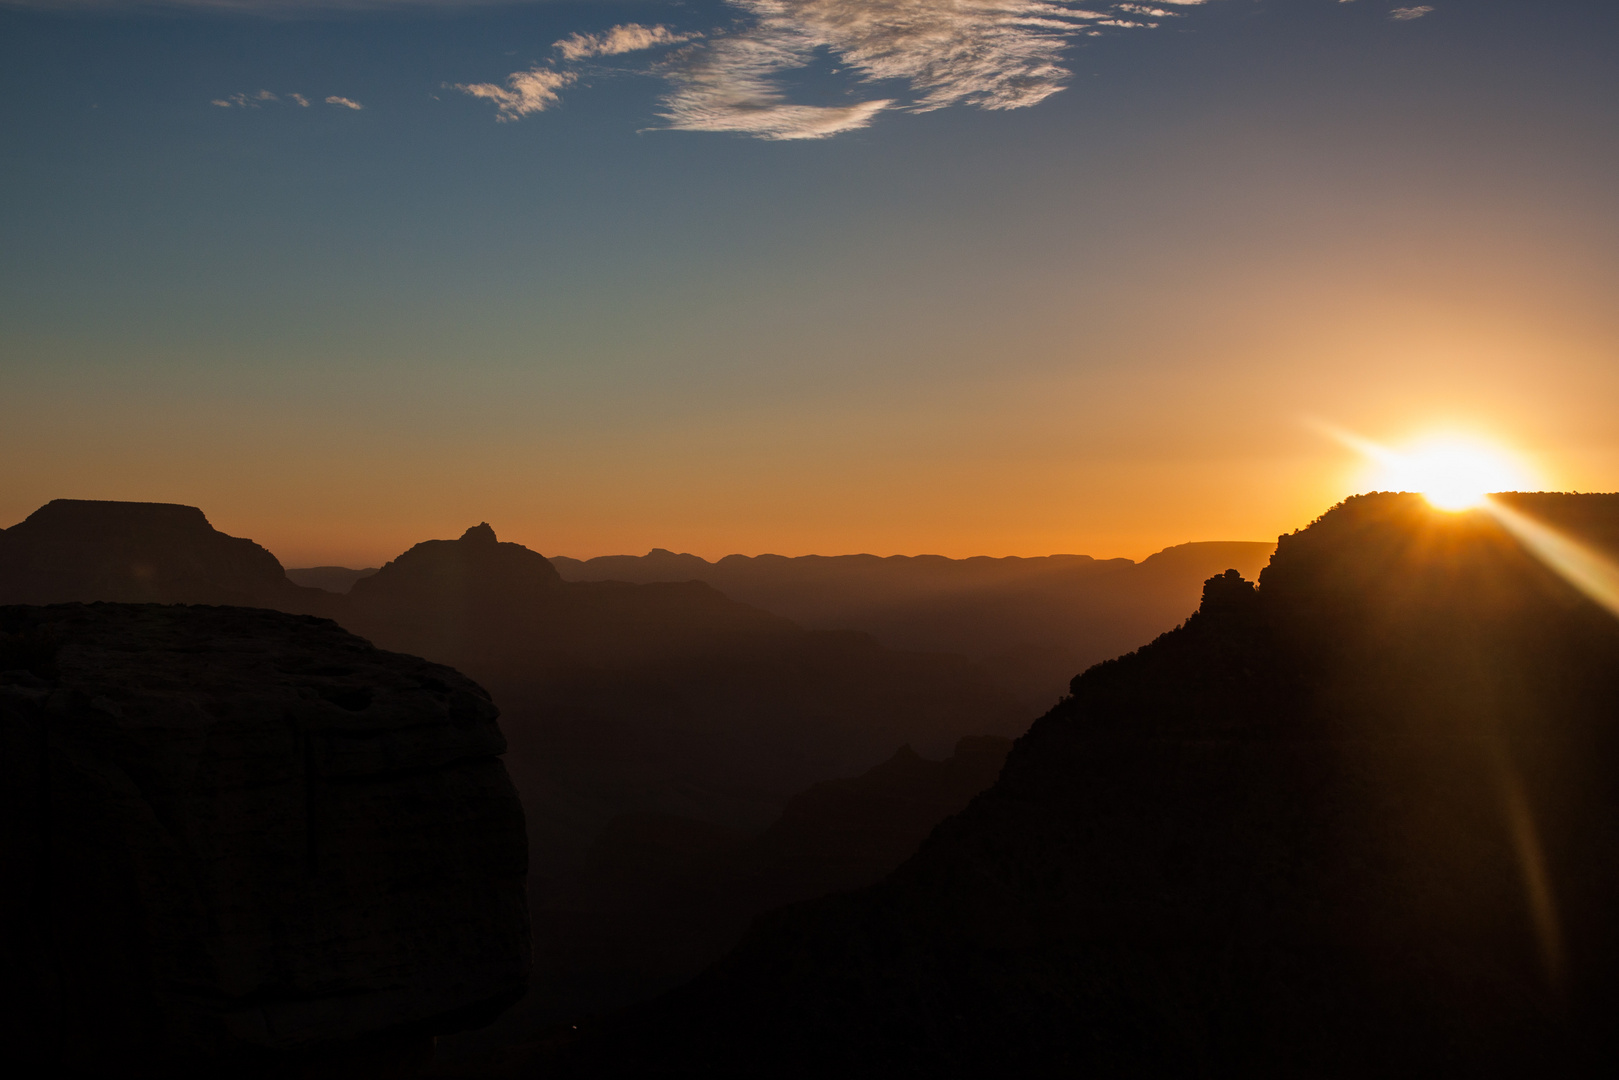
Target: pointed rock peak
480,533
659,551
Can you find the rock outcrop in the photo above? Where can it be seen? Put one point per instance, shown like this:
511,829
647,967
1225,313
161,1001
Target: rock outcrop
72,550
1362,820
240,841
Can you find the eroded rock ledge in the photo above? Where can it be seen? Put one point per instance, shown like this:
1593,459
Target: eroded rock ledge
242,837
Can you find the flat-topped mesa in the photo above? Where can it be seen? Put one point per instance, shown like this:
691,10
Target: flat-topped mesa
73,550
240,842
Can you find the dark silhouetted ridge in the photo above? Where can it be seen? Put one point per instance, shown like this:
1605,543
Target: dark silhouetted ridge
1360,820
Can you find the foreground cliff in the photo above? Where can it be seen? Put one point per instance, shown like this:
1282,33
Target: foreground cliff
239,841
1361,820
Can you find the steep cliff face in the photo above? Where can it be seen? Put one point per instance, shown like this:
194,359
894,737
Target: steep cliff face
240,840
1361,820
81,550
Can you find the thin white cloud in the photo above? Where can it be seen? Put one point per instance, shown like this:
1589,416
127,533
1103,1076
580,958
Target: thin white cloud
260,98
525,92
1406,14
625,38
992,54
246,101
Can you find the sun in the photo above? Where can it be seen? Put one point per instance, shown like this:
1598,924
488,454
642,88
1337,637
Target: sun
1453,473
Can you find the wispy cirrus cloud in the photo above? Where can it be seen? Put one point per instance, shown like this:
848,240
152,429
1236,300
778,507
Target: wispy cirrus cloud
247,101
991,54
525,92
1406,14
259,98
539,88
625,38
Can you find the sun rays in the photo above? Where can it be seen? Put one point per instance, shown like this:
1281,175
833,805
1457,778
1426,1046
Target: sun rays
1454,472
1458,473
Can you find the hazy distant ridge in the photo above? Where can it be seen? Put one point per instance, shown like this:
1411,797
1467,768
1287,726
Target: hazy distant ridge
1034,622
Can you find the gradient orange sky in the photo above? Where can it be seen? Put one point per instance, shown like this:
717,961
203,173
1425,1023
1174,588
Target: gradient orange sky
1100,324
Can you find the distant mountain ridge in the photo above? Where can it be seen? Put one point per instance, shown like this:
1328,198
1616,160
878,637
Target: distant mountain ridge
335,579
1033,622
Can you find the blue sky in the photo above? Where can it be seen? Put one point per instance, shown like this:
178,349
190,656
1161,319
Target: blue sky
831,276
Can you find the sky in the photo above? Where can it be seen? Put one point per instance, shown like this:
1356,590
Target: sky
1003,277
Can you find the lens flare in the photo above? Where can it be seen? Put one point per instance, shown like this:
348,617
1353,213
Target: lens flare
1456,473
1582,566
1452,473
